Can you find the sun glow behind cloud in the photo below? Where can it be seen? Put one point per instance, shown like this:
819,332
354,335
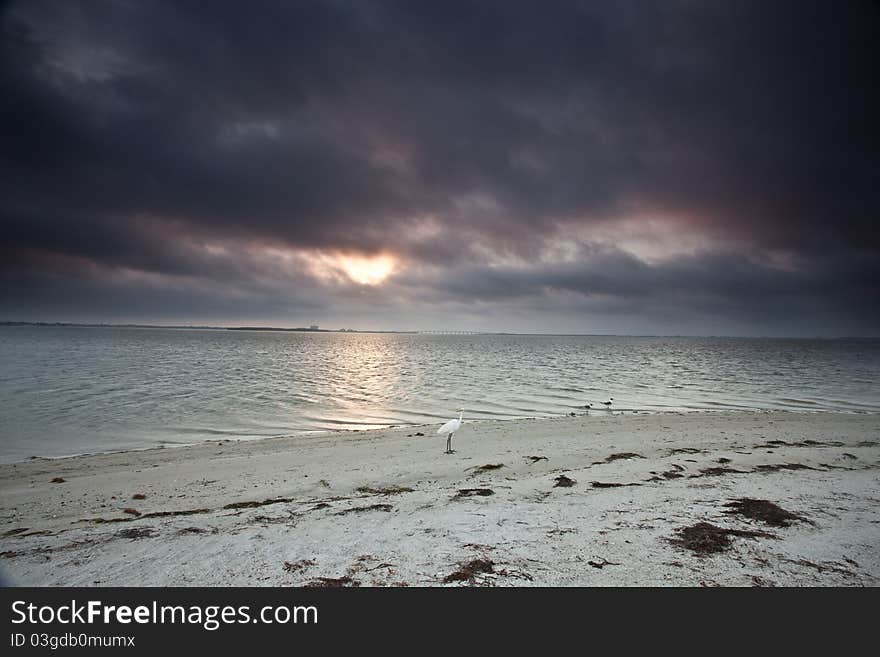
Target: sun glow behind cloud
356,268
367,270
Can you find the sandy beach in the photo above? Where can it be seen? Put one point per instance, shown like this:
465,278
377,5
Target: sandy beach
731,499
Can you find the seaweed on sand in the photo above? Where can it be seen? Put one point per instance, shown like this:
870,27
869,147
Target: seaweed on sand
601,563
480,469
153,514
135,533
716,471
332,582
183,531
705,538
618,457
775,467
473,492
384,490
801,443
186,512
254,504
685,450
762,510
289,519
296,566
467,572
362,509
13,532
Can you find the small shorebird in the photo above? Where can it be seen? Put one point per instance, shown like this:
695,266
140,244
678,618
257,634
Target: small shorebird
607,404
587,408
449,429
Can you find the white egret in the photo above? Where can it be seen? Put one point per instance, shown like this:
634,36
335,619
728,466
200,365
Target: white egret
450,428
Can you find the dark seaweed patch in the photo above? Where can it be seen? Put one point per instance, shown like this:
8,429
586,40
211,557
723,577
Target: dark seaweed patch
705,538
762,510
296,566
384,490
332,582
716,471
801,443
619,457
363,509
195,530
154,514
467,572
473,492
13,532
480,469
164,514
135,533
254,504
775,467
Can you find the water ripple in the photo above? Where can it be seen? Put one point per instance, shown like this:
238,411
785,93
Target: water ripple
69,390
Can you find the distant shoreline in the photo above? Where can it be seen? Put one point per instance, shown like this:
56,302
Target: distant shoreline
305,329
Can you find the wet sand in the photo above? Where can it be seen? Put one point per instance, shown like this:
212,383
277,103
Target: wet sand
733,499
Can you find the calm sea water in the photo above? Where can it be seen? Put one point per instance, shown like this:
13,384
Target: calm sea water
71,390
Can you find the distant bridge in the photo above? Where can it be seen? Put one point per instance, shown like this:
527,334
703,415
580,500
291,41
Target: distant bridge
446,332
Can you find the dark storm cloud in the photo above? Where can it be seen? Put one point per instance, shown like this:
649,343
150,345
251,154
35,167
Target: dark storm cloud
620,275
176,141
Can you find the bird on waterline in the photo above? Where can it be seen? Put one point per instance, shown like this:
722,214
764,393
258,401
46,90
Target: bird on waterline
449,429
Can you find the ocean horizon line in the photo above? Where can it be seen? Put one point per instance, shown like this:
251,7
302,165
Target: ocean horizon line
448,332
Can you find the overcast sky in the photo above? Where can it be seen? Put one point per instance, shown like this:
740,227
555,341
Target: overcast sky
688,167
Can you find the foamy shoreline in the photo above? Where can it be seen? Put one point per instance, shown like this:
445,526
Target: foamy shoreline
383,507
594,413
